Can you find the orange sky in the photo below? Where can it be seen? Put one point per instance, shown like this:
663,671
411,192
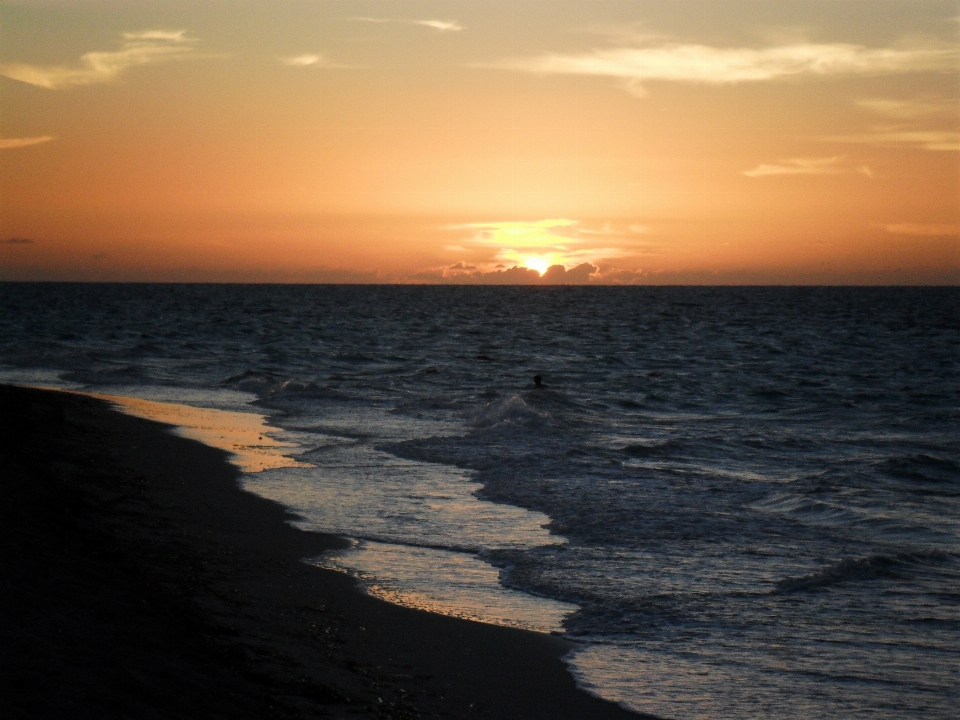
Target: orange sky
641,141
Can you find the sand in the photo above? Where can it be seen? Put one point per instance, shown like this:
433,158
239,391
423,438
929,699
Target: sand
139,581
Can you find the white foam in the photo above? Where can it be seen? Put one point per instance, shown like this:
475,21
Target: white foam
450,583
353,489
40,378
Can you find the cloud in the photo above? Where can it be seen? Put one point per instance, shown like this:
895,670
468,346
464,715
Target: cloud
140,48
438,25
312,60
8,143
608,229
940,140
461,266
441,25
583,274
538,233
807,166
301,60
460,276
928,112
910,109
923,229
175,36
621,277
559,275
539,245
17,241
676,62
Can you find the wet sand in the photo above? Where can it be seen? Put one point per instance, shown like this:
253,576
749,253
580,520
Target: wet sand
139,581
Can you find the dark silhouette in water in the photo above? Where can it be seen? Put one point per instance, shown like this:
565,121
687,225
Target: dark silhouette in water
538,381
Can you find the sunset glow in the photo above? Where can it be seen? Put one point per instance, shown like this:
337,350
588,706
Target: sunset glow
432,142
538,263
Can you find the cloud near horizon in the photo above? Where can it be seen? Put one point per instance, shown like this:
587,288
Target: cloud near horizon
139,48
583,274
542,244
692,63
10,143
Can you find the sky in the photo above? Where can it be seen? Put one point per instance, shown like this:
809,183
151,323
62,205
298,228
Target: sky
481,141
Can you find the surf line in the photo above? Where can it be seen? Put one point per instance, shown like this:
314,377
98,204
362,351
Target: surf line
246,436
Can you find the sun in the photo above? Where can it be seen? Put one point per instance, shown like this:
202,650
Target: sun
536,262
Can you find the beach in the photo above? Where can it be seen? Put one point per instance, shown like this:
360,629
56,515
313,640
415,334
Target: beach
141,581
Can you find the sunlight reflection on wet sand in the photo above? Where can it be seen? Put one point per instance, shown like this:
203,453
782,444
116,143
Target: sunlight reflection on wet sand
471,588
246,436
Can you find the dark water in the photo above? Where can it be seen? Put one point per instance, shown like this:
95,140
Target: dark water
758,488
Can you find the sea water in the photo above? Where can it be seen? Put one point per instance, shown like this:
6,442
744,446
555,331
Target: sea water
737,502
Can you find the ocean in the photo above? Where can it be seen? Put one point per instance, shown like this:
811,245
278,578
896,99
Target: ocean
736,502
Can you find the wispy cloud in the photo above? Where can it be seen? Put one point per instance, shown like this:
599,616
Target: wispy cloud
441,25
910,109
301,60
692,63
923,229
438,25
312,60
174,36
8,143
537,233
941,140
807,166
138,48
924,123
16,241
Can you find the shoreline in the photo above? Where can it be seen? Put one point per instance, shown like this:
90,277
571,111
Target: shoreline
148,583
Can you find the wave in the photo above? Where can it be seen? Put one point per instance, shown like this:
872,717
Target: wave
253,381
922,468
809,510
354,357
509,412
441,451
387,539
648,449
849,570
426,403
271,386
299,390
129,374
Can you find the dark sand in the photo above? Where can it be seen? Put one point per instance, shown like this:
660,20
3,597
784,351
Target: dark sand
139,581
